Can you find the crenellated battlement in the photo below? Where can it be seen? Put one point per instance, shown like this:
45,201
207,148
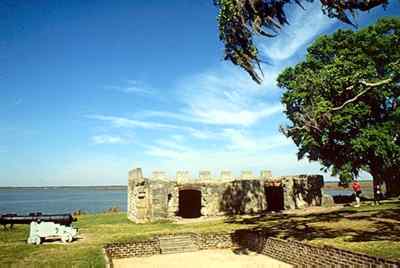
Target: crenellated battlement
182,176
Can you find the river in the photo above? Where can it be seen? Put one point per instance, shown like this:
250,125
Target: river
70,199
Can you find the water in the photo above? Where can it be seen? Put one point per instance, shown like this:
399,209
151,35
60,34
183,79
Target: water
68,200
60,200
334,192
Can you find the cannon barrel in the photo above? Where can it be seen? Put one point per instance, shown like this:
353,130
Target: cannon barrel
63,219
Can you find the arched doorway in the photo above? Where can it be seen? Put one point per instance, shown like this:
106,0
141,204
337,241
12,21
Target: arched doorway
189,203
274,196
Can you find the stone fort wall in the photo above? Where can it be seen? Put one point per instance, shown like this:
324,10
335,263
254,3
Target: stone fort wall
160,197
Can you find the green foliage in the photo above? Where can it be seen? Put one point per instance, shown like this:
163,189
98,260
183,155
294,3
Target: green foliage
240,20
343,101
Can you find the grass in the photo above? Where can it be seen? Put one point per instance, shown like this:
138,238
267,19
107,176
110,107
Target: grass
370,229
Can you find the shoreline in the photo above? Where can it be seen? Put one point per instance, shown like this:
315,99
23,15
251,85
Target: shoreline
85,188
123,187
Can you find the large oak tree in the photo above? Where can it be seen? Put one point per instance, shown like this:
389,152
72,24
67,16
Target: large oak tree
343,102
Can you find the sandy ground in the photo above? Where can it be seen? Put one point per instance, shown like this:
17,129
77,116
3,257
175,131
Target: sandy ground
202,259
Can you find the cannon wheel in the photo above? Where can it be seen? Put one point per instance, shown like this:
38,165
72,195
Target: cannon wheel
36,240
66,238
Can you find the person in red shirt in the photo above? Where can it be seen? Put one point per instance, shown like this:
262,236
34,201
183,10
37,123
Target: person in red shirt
357,190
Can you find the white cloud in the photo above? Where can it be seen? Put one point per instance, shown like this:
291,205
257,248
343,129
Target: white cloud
242,141
203,134
219,116
123,122
108,139
164,153
167,114
226,97
217,159
172,144
304,26
231,143
132,86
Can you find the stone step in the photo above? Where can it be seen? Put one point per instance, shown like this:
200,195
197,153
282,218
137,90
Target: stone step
176,240
172,244
177,244
180,244
182,237
171,250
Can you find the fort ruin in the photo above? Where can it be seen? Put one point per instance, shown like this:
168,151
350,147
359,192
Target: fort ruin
160,197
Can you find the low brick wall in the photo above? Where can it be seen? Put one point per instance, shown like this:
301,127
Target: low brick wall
214,240
290,251
303,254
152,246
133,249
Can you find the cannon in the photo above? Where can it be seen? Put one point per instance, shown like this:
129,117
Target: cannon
43,226
12,219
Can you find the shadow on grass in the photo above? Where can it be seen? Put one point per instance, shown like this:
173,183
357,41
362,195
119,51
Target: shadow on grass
359,226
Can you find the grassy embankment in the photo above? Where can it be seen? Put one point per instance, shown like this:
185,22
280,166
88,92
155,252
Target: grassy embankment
369,229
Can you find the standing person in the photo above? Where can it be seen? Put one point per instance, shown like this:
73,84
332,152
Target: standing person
377,193
357,190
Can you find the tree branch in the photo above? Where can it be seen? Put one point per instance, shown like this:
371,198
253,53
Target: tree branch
369,87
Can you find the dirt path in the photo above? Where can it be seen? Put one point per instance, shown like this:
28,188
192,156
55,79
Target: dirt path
202,259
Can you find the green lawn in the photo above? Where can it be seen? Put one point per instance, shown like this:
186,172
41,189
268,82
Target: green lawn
369,229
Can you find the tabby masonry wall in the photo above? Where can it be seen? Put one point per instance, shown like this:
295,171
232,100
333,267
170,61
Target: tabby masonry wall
290,251
303,254
133,249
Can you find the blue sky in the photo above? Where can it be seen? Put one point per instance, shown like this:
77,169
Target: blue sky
91,89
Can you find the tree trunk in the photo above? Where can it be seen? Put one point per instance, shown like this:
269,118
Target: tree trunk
376,173
392,186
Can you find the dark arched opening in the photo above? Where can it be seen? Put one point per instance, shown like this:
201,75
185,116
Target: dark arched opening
274,195
189,203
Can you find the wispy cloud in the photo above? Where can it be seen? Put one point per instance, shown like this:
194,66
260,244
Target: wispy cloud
168,149
133,87
123,122
229,141
304,26
181,116
226,97
172,144
242,141
109,139
164,153
220,158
